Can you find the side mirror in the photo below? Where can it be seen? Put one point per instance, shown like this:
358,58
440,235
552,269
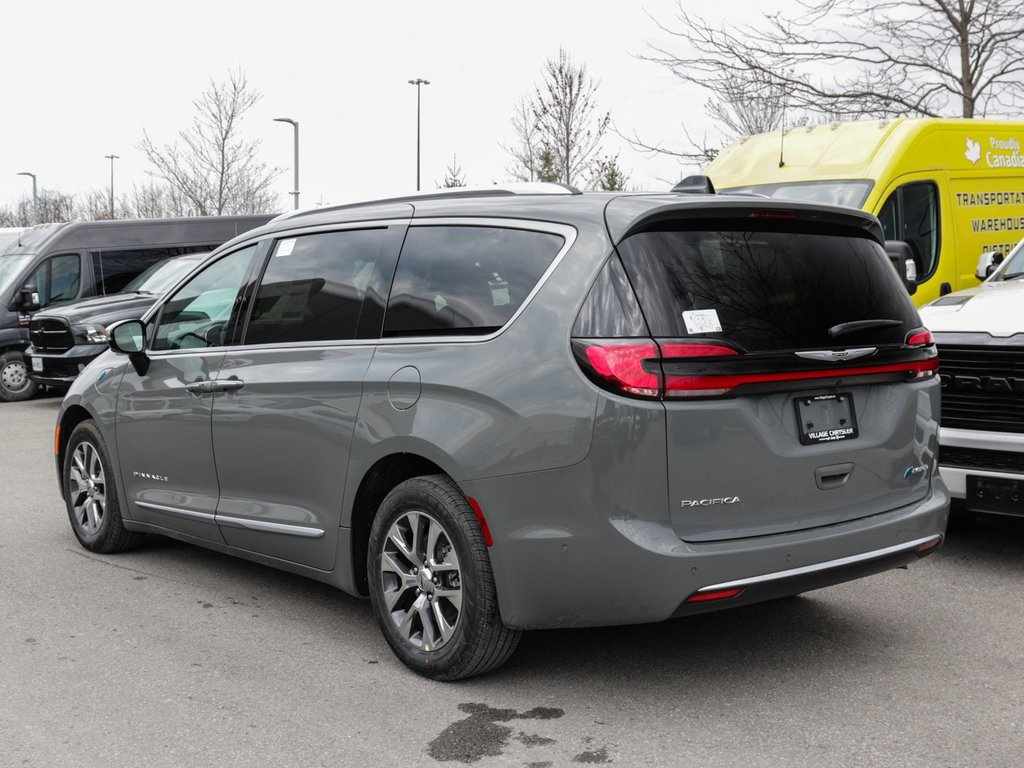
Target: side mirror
987,264
902,258
129,338
28,298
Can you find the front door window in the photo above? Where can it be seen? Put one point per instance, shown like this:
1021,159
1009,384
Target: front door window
911,214
198,314
57,279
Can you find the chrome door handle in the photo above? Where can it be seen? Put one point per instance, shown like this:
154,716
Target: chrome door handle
226,385
198,387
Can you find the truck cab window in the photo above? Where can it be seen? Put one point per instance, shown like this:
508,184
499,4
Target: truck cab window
911,214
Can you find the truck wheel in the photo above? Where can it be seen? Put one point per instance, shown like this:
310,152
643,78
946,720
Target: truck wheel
91,494
14,381
431,583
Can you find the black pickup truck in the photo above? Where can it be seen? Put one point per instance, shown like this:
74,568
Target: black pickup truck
68,337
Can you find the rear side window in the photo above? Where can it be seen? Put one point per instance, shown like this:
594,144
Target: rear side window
114,269
317,287
465,279
765,291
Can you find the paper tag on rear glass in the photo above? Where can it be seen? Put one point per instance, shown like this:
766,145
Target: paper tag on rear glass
702,321
285,247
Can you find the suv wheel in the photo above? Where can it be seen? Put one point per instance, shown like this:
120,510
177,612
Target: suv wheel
431,583
91,493
14,381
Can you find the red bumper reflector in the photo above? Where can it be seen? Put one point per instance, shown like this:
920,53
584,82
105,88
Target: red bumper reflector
928,546
718,594
484,528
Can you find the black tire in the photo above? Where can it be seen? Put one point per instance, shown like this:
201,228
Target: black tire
90,493
421,587
14,381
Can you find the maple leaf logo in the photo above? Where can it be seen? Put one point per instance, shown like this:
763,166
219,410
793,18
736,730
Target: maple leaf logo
973,152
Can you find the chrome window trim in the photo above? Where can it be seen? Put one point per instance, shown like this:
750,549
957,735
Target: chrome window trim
188,514
267,527
567,232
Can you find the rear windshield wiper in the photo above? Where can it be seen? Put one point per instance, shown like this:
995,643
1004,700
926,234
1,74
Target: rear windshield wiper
1014,276
861,325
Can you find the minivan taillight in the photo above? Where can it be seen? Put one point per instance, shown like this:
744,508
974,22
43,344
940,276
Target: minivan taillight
716,385
634,367
622,367
672,370
920,338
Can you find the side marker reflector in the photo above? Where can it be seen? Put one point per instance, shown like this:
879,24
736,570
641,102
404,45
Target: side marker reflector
484,528
718,594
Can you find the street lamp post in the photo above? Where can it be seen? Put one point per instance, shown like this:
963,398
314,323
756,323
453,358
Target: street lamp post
418,82
35,197
112,158
295,125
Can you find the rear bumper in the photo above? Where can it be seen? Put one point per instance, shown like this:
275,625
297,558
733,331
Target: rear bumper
771,586
60,369
985,452
560,564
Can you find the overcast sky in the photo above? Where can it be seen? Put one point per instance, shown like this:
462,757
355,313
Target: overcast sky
83,80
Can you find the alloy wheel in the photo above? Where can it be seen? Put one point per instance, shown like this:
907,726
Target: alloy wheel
421,581
87,488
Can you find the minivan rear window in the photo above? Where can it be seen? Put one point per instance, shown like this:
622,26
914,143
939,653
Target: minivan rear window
465,279
766,289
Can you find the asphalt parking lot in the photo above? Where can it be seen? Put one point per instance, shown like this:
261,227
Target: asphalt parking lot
171,655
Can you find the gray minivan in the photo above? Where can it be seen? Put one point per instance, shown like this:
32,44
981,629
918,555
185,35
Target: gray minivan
55,263
496,411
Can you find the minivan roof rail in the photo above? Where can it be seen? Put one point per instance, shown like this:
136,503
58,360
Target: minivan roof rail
495,190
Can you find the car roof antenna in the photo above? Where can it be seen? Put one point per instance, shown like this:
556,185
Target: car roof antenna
782,136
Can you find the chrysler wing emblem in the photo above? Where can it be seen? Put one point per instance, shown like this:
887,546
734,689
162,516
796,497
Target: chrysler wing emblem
837,355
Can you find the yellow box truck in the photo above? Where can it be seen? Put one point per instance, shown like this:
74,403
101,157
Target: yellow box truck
951,189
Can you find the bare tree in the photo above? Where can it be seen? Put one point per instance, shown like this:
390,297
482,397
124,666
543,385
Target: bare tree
53,206
865,58
154,201
567,117
559,129
745,103
211,168
95,205
525,152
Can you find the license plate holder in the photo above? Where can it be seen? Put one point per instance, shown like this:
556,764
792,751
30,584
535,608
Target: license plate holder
826,418
995,495
37,364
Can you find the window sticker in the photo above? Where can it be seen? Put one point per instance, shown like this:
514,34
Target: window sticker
702,321
285,248
499,291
